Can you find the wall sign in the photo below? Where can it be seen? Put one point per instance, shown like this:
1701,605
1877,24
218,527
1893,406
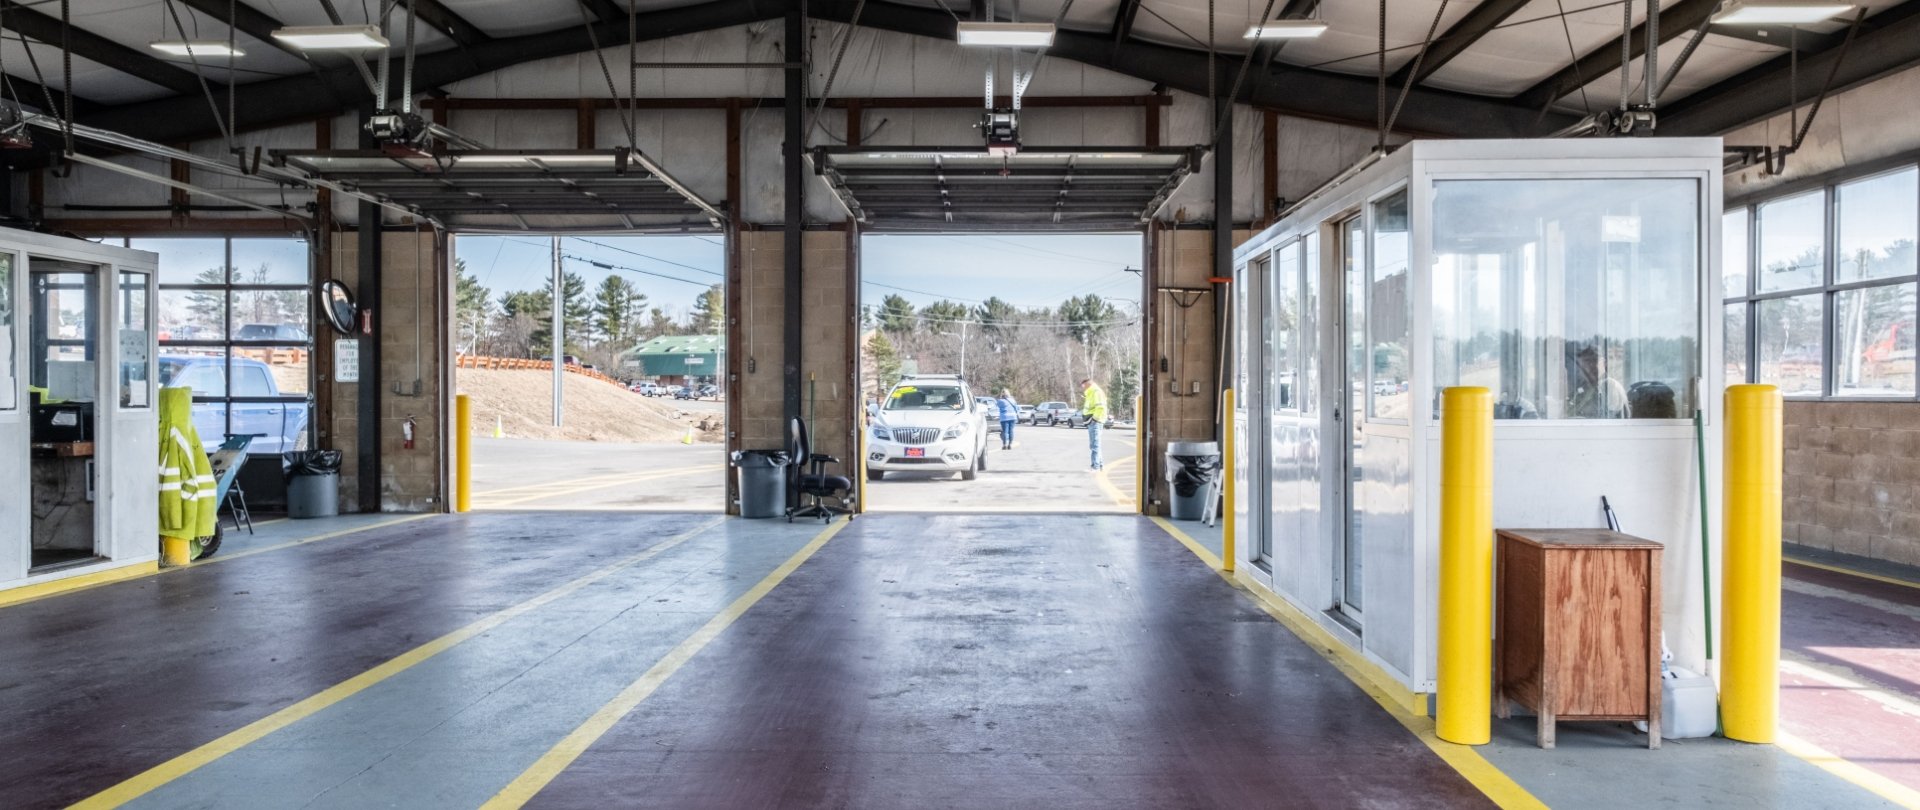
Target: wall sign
346,360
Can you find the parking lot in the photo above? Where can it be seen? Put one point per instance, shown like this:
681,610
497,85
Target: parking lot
1046,471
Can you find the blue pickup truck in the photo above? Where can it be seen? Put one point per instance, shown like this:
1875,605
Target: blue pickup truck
279,426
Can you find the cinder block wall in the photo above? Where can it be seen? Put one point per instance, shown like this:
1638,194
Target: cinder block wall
827,394
1852,478
1181,258
410,320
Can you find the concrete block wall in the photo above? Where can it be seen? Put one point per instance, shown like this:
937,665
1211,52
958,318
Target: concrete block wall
827,393
410,319
1183,339
1852,478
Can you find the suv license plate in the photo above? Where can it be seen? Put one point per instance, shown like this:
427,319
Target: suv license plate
916,452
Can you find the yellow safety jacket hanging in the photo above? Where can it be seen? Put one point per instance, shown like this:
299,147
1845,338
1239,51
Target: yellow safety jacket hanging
189,497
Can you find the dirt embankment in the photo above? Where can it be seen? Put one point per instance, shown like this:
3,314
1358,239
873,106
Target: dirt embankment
522,400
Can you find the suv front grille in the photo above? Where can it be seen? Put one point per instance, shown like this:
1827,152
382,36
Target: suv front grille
915,435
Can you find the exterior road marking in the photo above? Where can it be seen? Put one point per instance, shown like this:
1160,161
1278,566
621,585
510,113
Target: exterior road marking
1792,664
1388,693
545,769
153,778
559,489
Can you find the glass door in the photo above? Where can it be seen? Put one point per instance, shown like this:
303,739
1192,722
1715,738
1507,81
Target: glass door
1349,414
63,326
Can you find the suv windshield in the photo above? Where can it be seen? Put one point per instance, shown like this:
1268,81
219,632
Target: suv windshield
927,398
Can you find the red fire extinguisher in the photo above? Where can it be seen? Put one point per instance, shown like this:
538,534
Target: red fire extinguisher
406,432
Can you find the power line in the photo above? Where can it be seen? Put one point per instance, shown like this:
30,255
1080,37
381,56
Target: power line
645,256
609,266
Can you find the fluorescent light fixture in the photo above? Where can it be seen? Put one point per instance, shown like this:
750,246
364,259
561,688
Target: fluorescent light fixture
1778,12
1005,34
195,47
1287,29
331,37
515,160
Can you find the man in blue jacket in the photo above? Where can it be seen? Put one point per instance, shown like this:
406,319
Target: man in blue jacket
1009,414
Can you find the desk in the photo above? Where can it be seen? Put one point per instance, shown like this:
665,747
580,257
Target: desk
1577,622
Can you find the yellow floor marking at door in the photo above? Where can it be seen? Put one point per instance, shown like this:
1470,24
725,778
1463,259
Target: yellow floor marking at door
549,765
566,482
44,590
1403,705
159,775
1867,780
1852,573
1120,499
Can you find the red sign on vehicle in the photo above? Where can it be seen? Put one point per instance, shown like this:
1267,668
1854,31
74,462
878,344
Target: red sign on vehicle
916,452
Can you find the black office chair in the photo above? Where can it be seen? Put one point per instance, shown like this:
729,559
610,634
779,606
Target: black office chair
814,483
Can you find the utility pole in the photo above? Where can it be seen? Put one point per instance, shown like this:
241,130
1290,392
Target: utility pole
963,350
559,336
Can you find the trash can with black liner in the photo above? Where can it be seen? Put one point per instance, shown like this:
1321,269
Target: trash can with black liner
313,483
1191,471
763,482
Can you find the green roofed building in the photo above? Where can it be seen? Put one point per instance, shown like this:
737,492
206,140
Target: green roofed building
677,359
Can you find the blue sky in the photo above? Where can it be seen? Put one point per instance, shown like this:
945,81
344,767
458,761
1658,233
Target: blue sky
1025,269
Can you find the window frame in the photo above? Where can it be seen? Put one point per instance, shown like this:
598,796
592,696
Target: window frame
228,346
1829,288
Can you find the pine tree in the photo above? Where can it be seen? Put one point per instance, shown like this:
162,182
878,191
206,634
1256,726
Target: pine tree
710,312
472,307
897,315
617,307
886,361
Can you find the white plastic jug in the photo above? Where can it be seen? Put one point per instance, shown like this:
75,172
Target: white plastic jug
1688,706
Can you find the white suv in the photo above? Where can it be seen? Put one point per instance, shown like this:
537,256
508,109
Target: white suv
928,423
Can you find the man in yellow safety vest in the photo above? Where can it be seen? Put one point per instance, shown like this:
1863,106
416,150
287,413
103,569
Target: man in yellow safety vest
1093,405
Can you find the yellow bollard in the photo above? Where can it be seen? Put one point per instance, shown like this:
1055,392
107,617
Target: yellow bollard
1750,570
1139,458
175,552
1230,526
462,453
1465,682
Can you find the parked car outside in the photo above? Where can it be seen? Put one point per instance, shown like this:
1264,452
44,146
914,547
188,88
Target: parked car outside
1048,414
673,391
929,423
278,426
269,331
686,392
1079,420
645,389
1026,415
709,391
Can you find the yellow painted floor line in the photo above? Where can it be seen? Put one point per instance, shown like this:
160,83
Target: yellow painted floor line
1120,499
1867,780
543,771
1851,572
44,590
1389,694
568,482
159,775
220,558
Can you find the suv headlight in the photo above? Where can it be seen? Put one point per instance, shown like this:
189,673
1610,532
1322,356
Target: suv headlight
882,434
956,431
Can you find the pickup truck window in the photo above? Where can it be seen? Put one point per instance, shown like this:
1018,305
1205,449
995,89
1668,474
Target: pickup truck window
251,381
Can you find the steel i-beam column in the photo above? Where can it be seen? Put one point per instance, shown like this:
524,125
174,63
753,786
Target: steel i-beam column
367,404
1222,254
795,212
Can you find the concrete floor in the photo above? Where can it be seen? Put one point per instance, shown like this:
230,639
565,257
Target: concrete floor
597,660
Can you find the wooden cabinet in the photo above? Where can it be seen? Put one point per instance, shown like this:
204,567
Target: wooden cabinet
1577,624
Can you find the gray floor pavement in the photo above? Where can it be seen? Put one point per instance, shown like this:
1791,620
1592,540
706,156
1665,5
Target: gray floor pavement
542,474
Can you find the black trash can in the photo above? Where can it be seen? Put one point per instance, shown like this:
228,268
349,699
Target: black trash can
313,483
1192,468
763,482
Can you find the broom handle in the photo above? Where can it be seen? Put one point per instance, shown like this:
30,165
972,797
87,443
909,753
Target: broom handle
1706,545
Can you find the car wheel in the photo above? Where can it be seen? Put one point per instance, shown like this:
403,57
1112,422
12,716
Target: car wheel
972,472
980,462
875,475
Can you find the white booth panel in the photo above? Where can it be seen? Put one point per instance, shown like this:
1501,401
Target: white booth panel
15,417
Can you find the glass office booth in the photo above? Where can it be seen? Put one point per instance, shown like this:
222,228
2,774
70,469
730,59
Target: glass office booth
79,488
1572,278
